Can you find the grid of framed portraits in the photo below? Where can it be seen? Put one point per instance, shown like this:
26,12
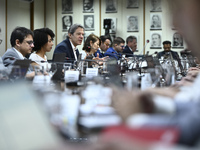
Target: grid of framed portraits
156,24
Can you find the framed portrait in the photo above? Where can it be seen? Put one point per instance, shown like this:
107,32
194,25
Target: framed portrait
132,24
132,3
156,6
156,21
111,6
65,35
177,40
156,40
66,22
88,6
87,34
67,6
88,22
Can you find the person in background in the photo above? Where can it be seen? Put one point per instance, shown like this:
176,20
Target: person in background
43,41
116,49
131,46
68,46
22,44
167,50
178,109
90,47
105,44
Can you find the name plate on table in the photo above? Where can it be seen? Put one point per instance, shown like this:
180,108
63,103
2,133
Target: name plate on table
91,72
71,76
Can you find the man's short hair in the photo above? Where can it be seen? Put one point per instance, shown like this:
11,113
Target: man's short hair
104,38
19,33
118,40
73,28
166,42
130,39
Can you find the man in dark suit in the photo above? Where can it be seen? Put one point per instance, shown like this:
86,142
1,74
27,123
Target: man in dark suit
167,51
22,43
105,44
131,46
68,46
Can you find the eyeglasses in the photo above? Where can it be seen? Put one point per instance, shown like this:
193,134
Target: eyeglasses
122,46
30,42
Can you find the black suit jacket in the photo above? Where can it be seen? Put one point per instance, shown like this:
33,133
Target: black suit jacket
128,52
65,47
174,54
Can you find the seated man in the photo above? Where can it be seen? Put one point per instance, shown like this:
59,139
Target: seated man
167,51
68,46
116,49
22,44
105,44
131,46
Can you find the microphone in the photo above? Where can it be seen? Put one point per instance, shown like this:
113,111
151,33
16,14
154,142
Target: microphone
147,41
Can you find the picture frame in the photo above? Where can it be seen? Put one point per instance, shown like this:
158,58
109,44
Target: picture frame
132,24
67,6
156,6
155,21
177,41
156,40
88,22
111,6
67,21
88,6
132,4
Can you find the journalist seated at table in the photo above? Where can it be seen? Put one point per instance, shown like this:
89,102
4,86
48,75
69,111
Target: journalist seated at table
115,51
22,44
90,47
69,45
167,51
105,44
131,46
43,42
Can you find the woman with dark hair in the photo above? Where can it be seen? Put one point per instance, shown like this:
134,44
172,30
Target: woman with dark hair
91,45
43,42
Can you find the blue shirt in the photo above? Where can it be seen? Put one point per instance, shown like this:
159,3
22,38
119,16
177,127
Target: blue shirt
101,55
112,53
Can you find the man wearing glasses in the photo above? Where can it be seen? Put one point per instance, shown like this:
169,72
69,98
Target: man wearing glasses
22,43
116,49
105,44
